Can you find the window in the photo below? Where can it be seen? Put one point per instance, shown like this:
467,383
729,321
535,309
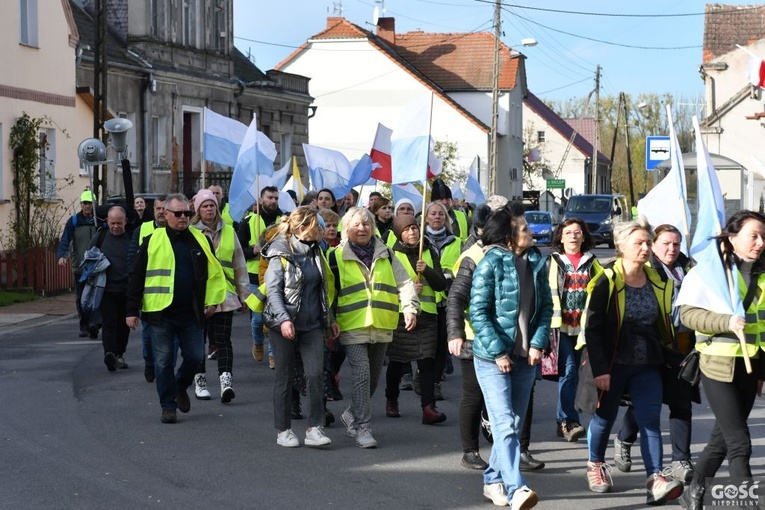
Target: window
219,33
158,142
158,18
130,139
191,23
28,22
540,136
47,163
285,148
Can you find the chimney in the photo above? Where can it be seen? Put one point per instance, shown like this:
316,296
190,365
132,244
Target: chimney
386,30
333,20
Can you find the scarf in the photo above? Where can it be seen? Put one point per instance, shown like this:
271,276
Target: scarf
366,254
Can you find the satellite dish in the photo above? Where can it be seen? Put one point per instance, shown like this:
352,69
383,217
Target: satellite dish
375,15
569,192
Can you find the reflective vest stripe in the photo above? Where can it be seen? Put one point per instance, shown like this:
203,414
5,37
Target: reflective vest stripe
557,319
352,289
226,264
256,301
362,304
728,344
158,272
428,295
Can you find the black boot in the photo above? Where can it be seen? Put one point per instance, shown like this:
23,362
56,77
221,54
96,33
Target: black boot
692,497
529,463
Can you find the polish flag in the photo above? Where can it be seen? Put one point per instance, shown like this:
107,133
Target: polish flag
380,154
756,71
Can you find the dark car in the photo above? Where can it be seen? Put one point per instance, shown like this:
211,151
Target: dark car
541,225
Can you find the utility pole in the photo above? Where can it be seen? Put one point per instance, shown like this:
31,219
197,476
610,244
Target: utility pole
495,101
592,184
623,103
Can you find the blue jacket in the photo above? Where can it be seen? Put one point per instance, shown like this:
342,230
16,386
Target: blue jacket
494,299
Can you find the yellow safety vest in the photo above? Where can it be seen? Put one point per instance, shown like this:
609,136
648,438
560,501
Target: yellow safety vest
728,345
390,239
462,224
428,295
147,229
449,256
160,273
225,214
363,304
475,252
225,254
256,301
253,263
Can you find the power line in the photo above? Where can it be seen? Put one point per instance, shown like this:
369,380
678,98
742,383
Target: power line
601,41
623,15
564,86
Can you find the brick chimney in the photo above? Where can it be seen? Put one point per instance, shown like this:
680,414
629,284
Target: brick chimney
386,30
333,20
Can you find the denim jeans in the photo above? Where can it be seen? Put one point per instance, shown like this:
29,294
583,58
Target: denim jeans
643,383
568,369
507,399
146,350
192,343
256,323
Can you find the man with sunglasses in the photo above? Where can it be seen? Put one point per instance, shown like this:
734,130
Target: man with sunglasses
176,284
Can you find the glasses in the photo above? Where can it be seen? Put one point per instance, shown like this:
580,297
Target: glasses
572,233
178,214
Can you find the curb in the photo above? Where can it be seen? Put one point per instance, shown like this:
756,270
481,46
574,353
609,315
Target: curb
37,322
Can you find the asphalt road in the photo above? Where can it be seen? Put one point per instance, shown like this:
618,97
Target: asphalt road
74,436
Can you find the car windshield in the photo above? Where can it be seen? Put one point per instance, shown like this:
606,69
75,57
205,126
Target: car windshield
589,204
537,218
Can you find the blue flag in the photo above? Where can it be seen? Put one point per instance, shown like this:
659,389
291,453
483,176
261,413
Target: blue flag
708,285
256,157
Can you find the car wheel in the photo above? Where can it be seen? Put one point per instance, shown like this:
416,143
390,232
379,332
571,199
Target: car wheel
611,245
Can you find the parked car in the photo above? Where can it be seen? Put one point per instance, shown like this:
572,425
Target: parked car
541,224
600,212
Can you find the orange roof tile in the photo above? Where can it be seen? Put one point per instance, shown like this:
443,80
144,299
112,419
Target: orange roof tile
458,61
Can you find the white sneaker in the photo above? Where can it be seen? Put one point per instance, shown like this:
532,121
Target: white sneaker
364,438
496,493
347,419
315,436
226,391
200,387
524,498
288,439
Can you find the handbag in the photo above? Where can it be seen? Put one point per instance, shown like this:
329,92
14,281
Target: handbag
550,357
689,368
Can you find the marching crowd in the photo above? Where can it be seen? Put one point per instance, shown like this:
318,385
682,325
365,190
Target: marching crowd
332,282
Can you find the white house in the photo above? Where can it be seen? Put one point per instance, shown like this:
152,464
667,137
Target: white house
359,79
567,158
735,115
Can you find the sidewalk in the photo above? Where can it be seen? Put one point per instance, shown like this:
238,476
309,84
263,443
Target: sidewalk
38,312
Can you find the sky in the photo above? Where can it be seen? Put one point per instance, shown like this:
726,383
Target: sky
561,66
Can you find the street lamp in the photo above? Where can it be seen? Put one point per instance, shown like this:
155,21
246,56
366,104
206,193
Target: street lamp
526,42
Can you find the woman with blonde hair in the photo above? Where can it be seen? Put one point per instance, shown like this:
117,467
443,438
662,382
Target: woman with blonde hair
298,316
627,324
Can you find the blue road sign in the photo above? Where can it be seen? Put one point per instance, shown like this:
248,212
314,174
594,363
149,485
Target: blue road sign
656,150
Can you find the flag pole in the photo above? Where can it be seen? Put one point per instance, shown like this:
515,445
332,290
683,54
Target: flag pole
739,333
425,185
257,208
746,51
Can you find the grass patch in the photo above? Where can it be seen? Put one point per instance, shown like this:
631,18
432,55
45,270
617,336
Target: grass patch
9,297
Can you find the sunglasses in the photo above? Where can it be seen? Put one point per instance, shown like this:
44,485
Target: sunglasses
178,214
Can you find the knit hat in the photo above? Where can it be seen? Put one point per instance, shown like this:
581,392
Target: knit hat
87,196
401,202
401,223
203,196
440,191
